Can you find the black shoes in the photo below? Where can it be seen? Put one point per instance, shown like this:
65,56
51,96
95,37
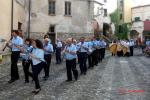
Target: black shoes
68,80
12,80
45,78
36,91
84,73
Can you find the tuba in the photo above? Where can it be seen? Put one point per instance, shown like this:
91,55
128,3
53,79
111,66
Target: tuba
113,48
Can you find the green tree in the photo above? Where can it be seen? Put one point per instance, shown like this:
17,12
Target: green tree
115,18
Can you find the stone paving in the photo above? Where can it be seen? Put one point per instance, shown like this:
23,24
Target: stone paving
113,79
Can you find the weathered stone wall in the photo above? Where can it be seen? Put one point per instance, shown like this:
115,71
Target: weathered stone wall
62,36
80,20
6,57
37,35
5,18
77,36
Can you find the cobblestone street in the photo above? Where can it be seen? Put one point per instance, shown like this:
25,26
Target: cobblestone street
110,80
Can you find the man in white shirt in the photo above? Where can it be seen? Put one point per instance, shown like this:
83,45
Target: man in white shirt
70,54
48,50
14,45
131,45
83,48
58,51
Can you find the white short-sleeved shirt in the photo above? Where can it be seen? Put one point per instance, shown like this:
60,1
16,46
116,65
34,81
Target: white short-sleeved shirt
16,41
85,44
38,53
71,48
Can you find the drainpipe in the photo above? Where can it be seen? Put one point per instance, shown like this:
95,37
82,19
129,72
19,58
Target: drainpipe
29,18
12,14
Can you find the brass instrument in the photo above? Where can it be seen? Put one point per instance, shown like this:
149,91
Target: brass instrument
113,48
124,48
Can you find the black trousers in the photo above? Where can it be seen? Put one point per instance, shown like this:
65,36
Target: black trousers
14,68
95,57
58,55
71,67
78,55
48,61
90,60
83,59
131,51
26,66
119,53
103,53
36,69
100,53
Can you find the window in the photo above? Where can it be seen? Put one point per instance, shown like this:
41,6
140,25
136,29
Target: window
121,2
52,28
67,8
137,19
19,26
51,7
105,12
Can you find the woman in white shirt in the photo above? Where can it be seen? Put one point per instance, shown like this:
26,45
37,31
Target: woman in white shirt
38,62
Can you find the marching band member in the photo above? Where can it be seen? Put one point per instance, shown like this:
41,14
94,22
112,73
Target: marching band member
119,49
125,47
95,52
103,48
46,36
70,54
100,45
26,62
14,44
38,63
131,45
58,51
113,48
82,47
75,43
48,50
90,60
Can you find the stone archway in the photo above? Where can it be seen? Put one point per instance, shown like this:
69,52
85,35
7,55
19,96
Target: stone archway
134,34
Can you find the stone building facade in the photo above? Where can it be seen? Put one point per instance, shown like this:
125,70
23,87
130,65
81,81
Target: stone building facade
18,8
141,20
6,15
124,9
62,18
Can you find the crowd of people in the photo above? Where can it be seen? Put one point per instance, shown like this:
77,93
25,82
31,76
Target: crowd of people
37,54
122,47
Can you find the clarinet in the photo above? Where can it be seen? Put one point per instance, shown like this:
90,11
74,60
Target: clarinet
6,44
